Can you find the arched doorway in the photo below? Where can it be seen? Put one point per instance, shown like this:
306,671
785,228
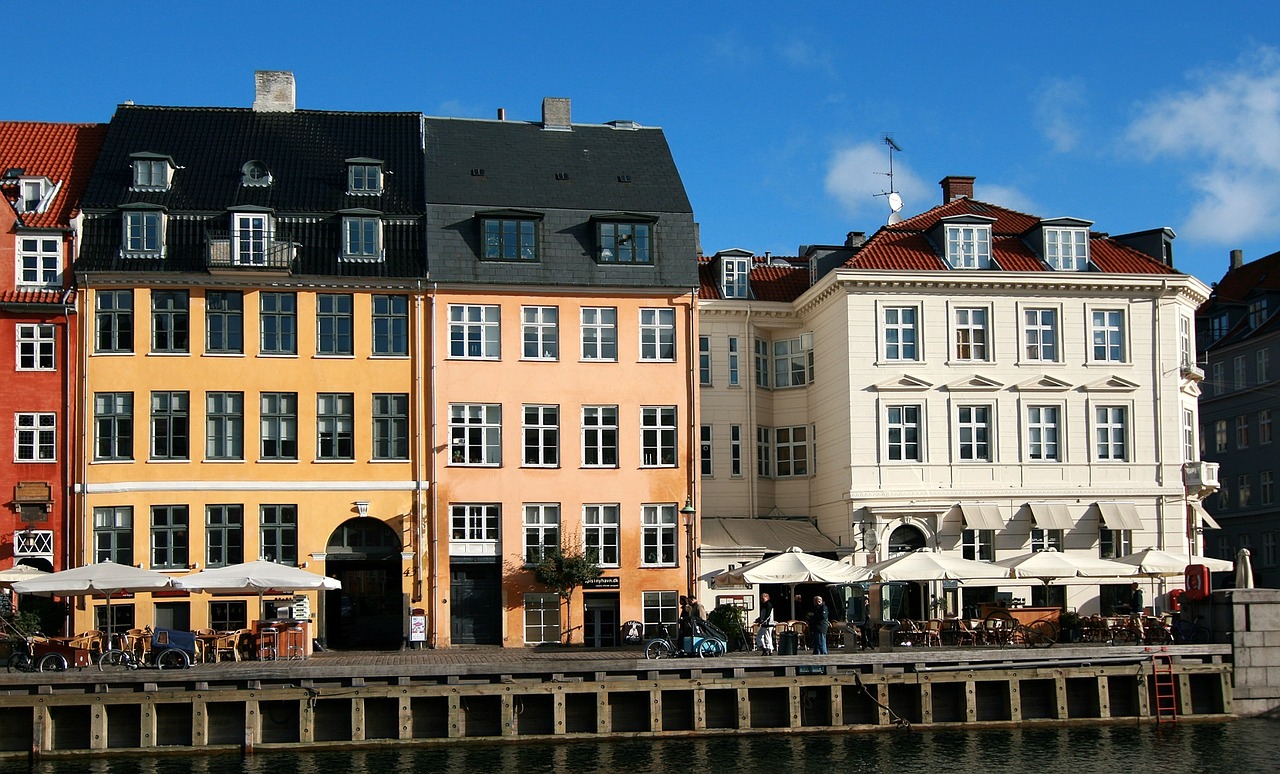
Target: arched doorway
903,540
368,612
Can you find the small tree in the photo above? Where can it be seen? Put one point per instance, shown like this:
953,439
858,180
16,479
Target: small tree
563,571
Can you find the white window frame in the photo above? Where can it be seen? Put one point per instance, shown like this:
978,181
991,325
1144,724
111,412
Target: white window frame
1242,431
475,332
734,377
1066,249
791,445
735,451
1220,435
1111,442
144,233
658,335
1216,377
39,261
1186,342
659,609
659,444
1264,427
36,346
900,339
540,333
1114,543
978,544
541,529
1239,372
735,277
971,334
764,451
33,194
541,618
600,436
704,361
362,238
658,529
541,436
904,425
359,175
1266,487
1244,489
763,377
1108,336
1264,366
1257,312
1268,558
1190,446
975,432
35,436
601,531
152,174
475,434
475,523
250,238
600,333
706,462
1044,433
1046,539
1040,335
968,246
792,361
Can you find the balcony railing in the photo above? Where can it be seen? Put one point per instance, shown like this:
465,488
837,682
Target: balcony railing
261,252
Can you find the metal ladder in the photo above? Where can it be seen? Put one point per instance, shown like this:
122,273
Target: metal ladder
1166,706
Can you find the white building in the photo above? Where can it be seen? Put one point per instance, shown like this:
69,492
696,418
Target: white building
972,379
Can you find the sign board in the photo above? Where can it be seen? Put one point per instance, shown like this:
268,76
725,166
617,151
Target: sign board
744,601
417,628
32,492
603,582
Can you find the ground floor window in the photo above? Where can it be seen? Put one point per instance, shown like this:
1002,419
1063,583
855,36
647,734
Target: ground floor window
121,615
541,618
1115,543
1049,596
661,608
978,544
227,616
1046,539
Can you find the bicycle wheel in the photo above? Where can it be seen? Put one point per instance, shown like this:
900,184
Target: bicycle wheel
1039,634
658,649
173,658
708,648
116,660
1202,636
52,662
1158,635
1124,635
20,662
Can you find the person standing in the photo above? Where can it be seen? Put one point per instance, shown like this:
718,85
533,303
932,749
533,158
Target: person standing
1135,600
819,624
764,635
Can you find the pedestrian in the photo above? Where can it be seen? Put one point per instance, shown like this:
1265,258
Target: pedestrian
764,622
1135,600
685,629
819,624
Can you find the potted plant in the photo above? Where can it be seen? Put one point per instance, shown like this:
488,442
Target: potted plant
730,620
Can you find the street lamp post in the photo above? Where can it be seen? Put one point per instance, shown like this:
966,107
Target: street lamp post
689,514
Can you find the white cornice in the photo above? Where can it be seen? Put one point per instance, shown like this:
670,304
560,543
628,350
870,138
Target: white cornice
123,487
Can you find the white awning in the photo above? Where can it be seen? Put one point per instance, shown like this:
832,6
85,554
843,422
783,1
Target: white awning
1051,515
1206,521
981,516
1120,515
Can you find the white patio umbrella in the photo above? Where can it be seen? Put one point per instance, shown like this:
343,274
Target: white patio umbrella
105,578
20,572
1051,565
1244,570
934,566
792,567
1154,563
258,576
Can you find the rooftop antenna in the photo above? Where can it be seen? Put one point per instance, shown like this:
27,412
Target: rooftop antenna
895,201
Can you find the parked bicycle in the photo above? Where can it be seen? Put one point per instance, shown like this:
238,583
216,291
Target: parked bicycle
703,645
163,649
1184,632
37,653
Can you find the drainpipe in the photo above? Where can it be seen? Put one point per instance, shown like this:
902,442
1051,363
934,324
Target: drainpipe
1158,379
748,353
68,432
416,412
433,529
694,466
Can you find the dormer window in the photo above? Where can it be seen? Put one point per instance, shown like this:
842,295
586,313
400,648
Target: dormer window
364,177
362,237
1257,312
735,277
969,246
1066,249
152,172
143,234
255,173
625,238
34,194
509,235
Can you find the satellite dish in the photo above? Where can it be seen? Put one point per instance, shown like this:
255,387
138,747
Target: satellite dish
895,202
894,217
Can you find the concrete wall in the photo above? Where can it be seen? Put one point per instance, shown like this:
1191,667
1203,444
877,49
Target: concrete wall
1252,619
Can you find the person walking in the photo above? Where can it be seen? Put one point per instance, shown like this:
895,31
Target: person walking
764,634
819,624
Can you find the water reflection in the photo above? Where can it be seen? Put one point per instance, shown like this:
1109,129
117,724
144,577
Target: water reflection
1245,745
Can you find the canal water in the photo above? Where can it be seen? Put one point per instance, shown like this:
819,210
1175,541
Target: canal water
1241,746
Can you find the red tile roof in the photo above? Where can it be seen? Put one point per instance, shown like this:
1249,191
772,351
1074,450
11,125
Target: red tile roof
1236,284
37,296
64,153
769,281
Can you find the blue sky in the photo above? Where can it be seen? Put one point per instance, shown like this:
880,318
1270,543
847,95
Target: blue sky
1131,115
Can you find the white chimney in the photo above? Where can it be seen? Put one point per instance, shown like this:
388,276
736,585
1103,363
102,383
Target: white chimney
556,113
274,92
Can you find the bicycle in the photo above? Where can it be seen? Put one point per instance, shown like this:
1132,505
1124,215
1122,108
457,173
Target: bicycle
30,659
663,646
1184,632
167,655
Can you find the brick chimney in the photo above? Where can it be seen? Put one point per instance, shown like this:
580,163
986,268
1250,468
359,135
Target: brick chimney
1237,258
556,112
274,92
855,239
956,187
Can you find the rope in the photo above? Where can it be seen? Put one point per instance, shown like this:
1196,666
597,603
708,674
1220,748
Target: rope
897,719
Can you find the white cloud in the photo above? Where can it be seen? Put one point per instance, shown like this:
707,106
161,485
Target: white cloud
856,173
1006,196
1060,102
1227,129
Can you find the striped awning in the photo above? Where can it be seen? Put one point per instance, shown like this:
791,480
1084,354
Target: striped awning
1120,515
1051,515
1205,520
981,516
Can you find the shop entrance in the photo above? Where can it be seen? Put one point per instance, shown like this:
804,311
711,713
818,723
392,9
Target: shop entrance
368,612
600,625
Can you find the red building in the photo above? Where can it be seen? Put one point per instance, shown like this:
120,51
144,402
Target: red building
43,170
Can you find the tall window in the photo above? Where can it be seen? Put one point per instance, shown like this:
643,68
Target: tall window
1264,427
974,426
1067,249
661,610
541,436
900,333
1040,331
704,451
335,426
1042,433
144,234
278,319
600,534
475,523
224,535
1240,372
390,325
969,247
600,436
474,331
1257,312
902,424
735,277
39,262
35,437
1114,543
169,544
735,450
113,426
971,334
762,362
1242,432
508,239
792,444
1216,378
224,425
540,332
658,535
113,534
113,319
1264,366
363,238
334,324
250,238
658,334
390,426
704,361
978,544
1107,333
625,242
1189,445
599,333
36,347
475,433
1244,489
733,361
541,531
278,533
1186,342
658,436
170,426
541,618
279,425
1266,488
1220,435
1111,432
793,362
764,452
224,321
169,321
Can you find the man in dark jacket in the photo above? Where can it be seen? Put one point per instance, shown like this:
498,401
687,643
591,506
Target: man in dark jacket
819,624
764,632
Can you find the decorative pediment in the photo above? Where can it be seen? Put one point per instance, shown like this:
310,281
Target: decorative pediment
1190,388
1044,383
1111,384
904,382
975,382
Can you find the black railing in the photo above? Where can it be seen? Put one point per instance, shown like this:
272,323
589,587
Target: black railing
261,252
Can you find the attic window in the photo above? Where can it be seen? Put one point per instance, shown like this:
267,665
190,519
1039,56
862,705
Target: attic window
624,238
735,276
1066,249
969,246
34,194
152,172
255,173
364,177
509,235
